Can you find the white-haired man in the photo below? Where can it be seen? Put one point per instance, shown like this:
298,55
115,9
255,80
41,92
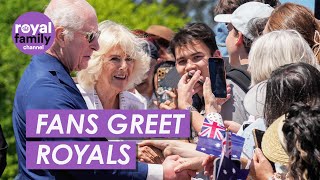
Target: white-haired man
47,84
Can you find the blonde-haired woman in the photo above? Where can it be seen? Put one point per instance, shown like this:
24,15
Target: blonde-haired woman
117,66
268,53
275,49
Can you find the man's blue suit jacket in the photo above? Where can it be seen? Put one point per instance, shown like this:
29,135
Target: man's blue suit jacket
46,84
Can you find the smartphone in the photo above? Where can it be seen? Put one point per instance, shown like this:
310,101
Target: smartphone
218,77
168,79
257,136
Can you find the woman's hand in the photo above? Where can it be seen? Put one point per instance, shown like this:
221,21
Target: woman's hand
208,166
169,104
260,166
221,101
150,154
186,89
194,163
160,144
211,104
232,126
174,147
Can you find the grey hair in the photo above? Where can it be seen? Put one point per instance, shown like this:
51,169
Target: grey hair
68,14
275,49
113,34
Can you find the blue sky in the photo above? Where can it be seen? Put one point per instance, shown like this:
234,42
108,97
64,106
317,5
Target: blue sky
308,3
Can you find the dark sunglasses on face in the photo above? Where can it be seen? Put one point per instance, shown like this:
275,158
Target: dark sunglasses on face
90,36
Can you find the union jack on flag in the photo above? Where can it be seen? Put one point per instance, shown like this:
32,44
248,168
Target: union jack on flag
211,129
211,140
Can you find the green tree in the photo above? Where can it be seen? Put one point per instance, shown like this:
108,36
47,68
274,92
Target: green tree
139,16
13,62
12,65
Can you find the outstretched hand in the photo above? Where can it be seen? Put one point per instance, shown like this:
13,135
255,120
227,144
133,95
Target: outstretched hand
208,166
160,144
232,126
194,163
169,104
213,104
150,154
168,169
260,166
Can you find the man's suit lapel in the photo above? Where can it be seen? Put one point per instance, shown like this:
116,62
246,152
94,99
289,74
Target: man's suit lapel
57,69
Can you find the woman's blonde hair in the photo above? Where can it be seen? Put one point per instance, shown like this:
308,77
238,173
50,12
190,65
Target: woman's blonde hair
113,34
275,49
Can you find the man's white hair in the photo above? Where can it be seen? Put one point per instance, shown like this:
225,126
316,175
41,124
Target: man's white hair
68,14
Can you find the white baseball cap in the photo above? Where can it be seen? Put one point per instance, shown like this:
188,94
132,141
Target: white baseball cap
241,17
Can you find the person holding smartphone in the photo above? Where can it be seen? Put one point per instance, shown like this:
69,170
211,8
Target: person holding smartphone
192,46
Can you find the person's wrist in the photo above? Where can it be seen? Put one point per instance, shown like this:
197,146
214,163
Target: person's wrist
183,105
191,108
167,174
274,176
211,109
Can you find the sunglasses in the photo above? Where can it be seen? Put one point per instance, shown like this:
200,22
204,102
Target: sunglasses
90,36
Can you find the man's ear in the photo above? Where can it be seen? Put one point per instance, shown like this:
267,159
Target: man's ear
60,37
239,39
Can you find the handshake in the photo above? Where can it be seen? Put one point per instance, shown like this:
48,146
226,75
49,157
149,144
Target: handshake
182,166
170,171
176,167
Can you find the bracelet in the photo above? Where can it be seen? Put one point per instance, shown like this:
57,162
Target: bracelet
215,117
275,176
191,108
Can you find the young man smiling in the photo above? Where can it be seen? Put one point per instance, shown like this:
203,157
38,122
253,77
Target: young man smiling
192,46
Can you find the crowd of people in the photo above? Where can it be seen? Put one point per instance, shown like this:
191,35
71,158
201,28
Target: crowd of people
272,74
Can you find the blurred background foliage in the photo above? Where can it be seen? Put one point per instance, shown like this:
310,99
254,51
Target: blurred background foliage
135,14
12,65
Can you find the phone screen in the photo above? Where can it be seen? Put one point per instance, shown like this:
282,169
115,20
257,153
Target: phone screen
218,77
257,135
